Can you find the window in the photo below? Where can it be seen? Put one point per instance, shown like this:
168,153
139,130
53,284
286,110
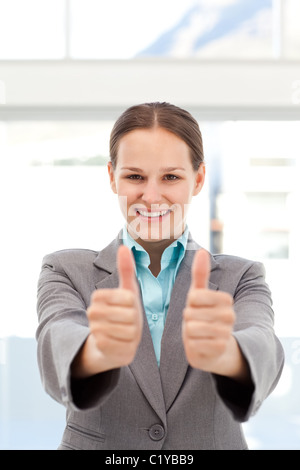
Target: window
118,29
290,33
48,177
254,200
31,29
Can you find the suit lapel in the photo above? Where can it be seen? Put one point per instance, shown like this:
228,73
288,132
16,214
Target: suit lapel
173,363
146,372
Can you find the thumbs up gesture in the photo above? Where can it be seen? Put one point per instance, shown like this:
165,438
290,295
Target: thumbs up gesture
115,320
208,320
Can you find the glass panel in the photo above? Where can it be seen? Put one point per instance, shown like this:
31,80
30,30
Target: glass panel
115,29
253,170
52,177
2,92
291,37
32,29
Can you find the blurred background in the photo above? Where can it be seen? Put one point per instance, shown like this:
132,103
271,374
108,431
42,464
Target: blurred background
68,68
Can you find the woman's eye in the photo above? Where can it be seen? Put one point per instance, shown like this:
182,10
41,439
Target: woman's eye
171,177
134,177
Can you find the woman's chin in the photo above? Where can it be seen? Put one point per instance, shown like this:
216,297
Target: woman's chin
153,232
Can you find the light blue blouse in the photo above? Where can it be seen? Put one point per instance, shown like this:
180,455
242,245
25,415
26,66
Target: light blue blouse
156,291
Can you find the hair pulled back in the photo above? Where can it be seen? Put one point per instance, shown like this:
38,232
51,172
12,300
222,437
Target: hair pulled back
159,114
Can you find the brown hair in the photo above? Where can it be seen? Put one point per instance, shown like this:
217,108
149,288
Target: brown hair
164,115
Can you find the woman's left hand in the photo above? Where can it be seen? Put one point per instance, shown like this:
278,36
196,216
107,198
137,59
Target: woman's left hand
208,321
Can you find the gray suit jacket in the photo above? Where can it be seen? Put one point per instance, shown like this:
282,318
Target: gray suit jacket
142,406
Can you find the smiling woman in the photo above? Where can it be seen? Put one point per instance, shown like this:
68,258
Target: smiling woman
155,202
130,337
156,169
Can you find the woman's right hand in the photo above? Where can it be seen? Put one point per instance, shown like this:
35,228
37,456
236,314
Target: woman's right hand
115,321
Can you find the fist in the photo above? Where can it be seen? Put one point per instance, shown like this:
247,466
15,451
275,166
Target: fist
115,316
208,320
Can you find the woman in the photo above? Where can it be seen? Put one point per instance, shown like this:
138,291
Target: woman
153,343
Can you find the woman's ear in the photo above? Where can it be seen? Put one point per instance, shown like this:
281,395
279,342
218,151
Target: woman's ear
199,179
112,180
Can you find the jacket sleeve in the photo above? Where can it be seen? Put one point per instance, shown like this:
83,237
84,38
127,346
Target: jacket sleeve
63,328
254,332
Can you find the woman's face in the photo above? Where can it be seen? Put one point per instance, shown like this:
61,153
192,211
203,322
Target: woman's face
155,182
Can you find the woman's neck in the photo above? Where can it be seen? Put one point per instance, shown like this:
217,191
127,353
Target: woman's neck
155,250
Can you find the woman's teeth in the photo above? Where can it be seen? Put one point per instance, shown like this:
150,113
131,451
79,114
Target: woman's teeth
152,214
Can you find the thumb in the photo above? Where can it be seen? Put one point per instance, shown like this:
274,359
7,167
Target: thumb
126,269
200,270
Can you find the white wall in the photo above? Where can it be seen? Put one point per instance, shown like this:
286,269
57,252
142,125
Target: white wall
214,89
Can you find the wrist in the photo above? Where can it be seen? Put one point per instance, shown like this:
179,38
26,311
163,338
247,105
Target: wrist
232,363
89,360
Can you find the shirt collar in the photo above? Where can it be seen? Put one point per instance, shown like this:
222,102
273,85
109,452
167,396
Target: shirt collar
173,251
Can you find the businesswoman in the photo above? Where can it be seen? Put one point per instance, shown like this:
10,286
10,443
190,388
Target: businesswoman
154,343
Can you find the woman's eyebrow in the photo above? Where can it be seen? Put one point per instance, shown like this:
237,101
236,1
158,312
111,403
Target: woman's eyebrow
172,168
163,170
131,168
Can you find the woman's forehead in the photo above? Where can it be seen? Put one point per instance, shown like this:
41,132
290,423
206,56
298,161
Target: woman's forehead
152,141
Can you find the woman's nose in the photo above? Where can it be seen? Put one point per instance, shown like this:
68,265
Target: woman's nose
151,193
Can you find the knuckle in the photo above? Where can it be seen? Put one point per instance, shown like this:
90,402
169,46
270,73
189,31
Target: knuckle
227,298
132,316
98,295
131,332
91,313
192,328
95,313
187,313
229,316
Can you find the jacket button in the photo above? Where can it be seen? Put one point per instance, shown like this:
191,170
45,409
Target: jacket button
156,432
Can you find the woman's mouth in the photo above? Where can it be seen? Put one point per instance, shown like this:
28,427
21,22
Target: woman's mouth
153,215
